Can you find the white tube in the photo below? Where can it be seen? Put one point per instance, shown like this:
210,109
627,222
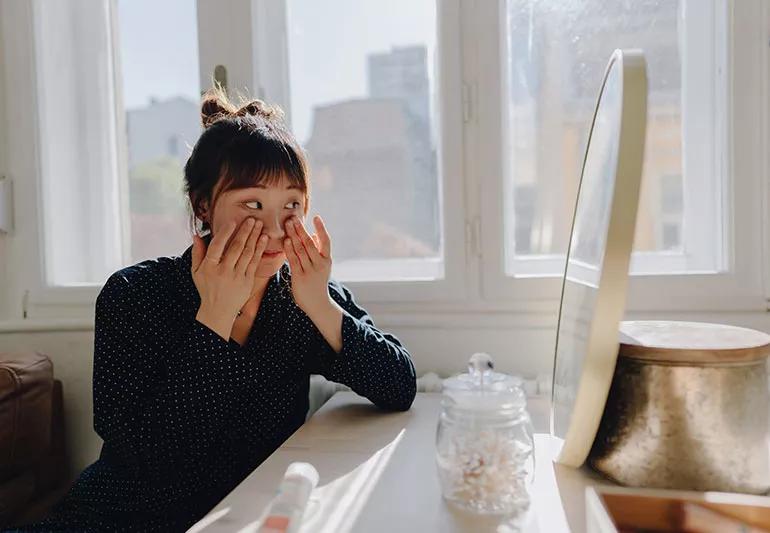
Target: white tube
288,506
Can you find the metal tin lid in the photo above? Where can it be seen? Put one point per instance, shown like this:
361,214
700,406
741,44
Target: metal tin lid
694,343
483,389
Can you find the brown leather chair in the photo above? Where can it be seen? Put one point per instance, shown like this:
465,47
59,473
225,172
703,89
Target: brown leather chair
33,472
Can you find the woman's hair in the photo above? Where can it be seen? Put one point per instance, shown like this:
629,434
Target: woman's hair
241,147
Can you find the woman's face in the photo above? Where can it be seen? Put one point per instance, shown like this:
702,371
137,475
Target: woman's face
273,205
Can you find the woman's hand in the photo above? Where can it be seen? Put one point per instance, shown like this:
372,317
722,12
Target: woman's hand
225,278
310,259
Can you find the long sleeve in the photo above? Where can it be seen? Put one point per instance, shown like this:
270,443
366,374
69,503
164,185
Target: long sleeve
373,364
159,406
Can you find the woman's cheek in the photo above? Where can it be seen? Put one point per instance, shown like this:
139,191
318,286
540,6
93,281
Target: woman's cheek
242,214
223,217
288,217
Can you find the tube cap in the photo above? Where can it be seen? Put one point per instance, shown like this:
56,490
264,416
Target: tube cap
305,470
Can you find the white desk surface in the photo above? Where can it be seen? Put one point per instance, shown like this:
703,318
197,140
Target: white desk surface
378,473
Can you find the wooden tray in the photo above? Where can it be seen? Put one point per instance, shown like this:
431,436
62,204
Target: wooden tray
617,510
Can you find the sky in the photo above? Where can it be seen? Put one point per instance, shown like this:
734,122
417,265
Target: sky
328,44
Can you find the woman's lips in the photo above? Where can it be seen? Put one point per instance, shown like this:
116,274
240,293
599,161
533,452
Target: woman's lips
272,253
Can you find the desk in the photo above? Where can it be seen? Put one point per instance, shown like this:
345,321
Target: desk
378,473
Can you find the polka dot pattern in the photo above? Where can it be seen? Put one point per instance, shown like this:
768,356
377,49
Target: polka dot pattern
185,415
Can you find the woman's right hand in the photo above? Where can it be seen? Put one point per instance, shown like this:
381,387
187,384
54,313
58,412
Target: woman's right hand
225,278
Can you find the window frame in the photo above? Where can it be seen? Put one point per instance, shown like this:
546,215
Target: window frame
271,80
741,286
267,77
30,294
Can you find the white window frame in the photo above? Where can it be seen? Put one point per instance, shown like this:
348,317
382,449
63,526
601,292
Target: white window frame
739,286
36,151
265,74
475,291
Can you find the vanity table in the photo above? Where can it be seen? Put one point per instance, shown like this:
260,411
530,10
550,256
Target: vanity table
378,473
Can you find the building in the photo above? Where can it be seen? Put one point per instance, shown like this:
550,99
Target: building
374,157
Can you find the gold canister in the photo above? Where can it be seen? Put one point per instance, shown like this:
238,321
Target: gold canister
688,409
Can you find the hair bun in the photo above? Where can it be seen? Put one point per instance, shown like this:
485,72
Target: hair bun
260,108
215,106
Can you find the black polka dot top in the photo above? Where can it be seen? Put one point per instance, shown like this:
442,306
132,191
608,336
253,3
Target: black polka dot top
185,415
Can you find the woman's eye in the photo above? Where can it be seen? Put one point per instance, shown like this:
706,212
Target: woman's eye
254,205
293,205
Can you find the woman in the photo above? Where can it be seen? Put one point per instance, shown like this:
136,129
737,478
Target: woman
202,362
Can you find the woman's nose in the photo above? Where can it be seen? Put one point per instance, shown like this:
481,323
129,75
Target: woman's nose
274,228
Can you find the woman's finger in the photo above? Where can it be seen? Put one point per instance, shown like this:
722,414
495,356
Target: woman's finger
251,270
235,248
294,263
299,249
248,249
307,243
218,242
323,235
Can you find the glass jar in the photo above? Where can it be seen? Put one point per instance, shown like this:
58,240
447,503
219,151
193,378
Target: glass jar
484,441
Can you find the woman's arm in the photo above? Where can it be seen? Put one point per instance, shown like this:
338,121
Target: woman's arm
159,410
372,363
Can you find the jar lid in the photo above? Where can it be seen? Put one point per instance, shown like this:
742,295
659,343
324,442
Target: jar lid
483,389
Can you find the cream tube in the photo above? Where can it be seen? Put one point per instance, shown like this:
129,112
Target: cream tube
288,506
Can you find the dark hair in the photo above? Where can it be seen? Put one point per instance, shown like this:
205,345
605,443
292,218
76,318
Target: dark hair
241,147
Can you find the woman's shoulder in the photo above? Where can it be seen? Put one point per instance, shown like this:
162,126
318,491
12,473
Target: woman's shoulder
152,278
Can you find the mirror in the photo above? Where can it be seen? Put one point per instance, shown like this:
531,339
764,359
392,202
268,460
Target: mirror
596,272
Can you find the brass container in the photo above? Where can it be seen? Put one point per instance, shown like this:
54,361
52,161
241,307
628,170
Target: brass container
688,409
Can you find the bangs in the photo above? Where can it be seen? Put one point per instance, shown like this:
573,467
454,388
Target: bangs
253,160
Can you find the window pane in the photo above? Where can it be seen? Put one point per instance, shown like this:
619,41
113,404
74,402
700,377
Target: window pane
76,127
362,92
161,96
556,56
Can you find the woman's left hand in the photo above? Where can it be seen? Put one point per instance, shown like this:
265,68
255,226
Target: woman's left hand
310,259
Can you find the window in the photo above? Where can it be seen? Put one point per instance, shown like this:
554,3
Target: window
555,56
78,136
534,64
445,141
362,84
671,209
161,97
524,211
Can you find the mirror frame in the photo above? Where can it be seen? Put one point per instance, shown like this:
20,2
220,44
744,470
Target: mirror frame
604,321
